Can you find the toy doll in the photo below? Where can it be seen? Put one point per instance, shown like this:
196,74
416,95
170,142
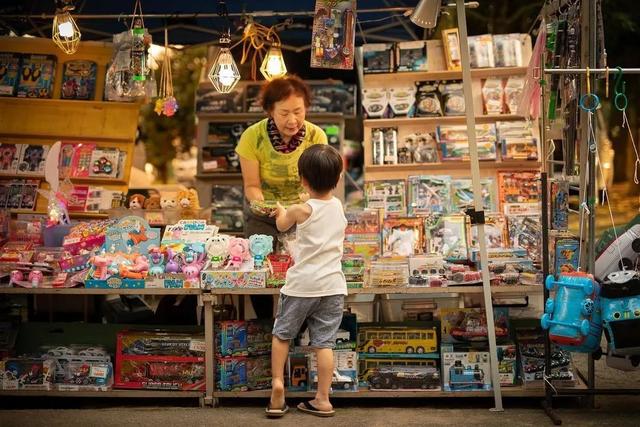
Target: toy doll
261,245
156,259
238,252
136,201
218,250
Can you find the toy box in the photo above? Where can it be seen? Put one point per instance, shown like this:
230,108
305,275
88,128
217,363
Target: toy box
160,373
401,99
160,343
454,142
620,299
26,374
259,337
447,236
388,272
402,236
532,360
462,194
378,58
525,232
369,363
566,254
460,325
495,231
519,188
465,370
345,371
233,279
93,376
517,141
429,194
363,234
297,372
258,372
404,378
507,366
79,355
79,80
419,147
9,158
418,338
10,63
231,374
231,338
412,56
36,76
388,196
426,270
353,268
559,196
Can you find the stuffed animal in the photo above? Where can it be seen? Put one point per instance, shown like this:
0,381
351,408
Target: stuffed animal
153,202
261,245
168,201
188,199
136,201
217,247
238,252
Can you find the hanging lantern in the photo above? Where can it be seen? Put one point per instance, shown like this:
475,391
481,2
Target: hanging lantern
273,65
224,74
166,103
65,32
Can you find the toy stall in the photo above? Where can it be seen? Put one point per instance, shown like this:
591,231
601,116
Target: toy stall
465,274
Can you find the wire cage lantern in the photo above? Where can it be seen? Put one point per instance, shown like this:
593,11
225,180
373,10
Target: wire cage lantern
65,32
224,74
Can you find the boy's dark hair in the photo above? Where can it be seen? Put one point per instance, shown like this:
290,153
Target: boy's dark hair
321,166
282,88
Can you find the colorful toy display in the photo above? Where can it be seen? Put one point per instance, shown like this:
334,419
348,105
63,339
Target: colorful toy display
398,339
26,374
260,246
333,37
620,299
465,370
36,76
403,236
573,315
470,324
79,80
429,194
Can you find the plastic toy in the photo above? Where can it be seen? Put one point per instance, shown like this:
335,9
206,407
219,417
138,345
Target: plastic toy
465,370
35,277
465,377
173,262
136,201
626,246
573,316
156,260
217,248
238,252
260,245
397,340
620,299
405,378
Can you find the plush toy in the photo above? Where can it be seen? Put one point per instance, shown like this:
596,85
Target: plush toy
238,252
136,201
35,278
168,201
217,247
261,245
153,202
188,199
192,270
16,276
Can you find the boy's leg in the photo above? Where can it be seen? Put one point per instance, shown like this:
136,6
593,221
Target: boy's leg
279,353
325,375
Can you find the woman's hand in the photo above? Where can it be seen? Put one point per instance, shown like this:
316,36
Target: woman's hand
278,211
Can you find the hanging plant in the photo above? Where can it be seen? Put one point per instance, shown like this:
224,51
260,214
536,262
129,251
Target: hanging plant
166,104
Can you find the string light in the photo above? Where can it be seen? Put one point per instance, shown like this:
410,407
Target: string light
224,74
65,32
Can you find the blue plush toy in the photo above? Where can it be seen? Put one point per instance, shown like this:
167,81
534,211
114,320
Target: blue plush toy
260,246
573,316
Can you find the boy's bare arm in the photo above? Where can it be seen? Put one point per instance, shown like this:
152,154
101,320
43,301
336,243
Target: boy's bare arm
295,214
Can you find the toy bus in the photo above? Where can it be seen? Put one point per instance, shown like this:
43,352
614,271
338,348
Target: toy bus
398,340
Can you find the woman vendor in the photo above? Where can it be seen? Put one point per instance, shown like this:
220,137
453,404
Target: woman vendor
269,151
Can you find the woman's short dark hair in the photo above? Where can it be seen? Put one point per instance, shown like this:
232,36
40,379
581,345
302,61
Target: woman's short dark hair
321,166
282,88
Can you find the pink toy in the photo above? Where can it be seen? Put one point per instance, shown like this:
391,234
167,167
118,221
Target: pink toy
16,276
101,263
173,265
238,252
192,271
35,277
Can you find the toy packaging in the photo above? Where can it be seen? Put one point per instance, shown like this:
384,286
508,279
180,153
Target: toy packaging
513,93
566,253
77,200
389,196
385,146
388,272
462,194
507,50
481,51
426,270
465,370
259,373
507,364
160,343
517,141
333,37
559,196
451,42
495,231
429,194
420,147
31,159
531,346
79,80
36,76
464,325
231,374
9,65
297,372
105,163
402,236
19,194
345,371
452,98
26,374
454,142
259,337
233,279
378,58
375,101
93,376
518,188
231,338
404,378
401,100
9,154
418,338
412,56
428,99
525,233
447,236
353,268
492,96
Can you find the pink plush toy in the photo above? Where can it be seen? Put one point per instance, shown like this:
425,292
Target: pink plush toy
15,277
35,277
238,252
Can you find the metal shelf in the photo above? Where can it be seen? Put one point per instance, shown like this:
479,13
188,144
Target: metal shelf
93,291
456,164
415,76
439,120
110,393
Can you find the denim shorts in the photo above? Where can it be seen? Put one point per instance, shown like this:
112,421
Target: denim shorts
322,314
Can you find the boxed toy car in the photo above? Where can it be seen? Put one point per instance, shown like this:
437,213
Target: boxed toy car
404,378
26,374
160,373
507,366
159,343
465,370
93,376
231,374
231,338
464,325
345,371
258,372
369,363
297,372
398,338
259,337
533,360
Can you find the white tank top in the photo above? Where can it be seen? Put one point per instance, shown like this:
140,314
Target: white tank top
317,271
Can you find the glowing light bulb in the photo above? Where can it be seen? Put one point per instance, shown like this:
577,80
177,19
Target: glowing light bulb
273,65
65,29
224,74
65,32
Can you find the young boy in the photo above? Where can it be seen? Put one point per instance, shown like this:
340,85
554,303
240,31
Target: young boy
315,287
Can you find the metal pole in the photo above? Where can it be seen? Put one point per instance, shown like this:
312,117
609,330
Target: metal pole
591,71
478,202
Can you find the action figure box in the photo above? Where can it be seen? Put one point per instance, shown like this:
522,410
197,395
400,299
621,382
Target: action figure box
79,80
467,370
525,233
446,235
233,279
495,231
31,159
297,372
345,371
231,374
26,374
429,194
378,58
418,147
160,373
231,338
411,56
467,325
403,237
507,364
36,76
517,140
454,142
462,194
10,64
388,196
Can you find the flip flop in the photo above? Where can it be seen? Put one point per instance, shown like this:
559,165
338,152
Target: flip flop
310,409
276,412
